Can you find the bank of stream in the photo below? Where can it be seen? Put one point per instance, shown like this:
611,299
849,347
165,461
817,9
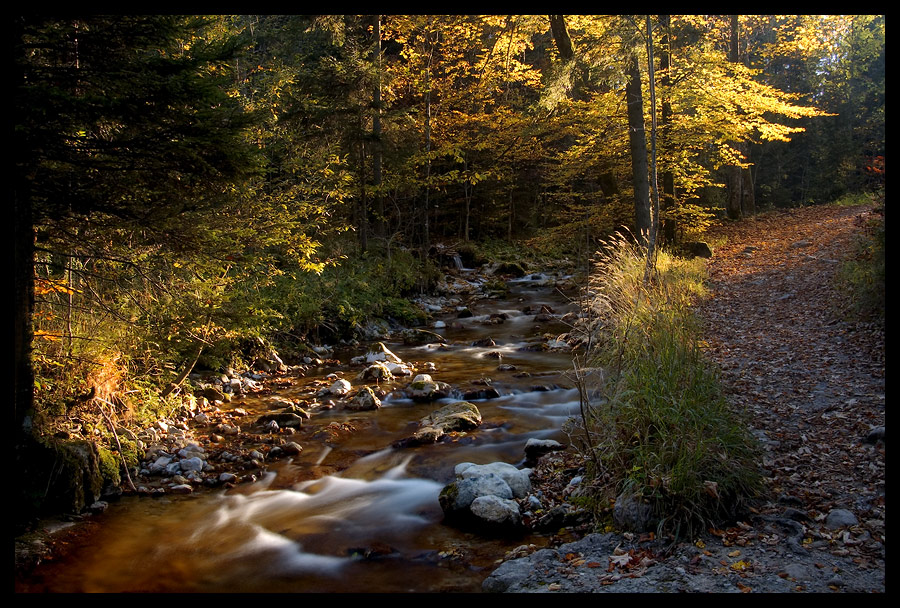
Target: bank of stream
351,512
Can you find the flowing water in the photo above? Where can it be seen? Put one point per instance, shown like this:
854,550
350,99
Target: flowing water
314,524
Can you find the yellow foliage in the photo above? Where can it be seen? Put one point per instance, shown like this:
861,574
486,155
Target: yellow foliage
44,285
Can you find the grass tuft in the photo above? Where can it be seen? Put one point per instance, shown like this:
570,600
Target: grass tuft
655,420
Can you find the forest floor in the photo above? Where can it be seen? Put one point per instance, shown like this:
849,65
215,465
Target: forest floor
812,382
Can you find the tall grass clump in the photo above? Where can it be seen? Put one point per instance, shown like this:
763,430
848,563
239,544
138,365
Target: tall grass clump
861,277
655,424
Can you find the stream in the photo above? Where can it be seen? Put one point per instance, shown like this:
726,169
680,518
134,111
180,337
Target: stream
312,523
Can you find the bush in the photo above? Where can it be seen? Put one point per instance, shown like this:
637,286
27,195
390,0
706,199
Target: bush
862,276
655,422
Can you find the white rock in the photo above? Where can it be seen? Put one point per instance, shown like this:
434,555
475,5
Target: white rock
495,510
381,353
519,480
399,369
340,387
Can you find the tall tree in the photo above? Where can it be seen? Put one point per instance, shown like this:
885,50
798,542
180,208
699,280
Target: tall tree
654,182
121,123
741,199
638,145
668,225
377,154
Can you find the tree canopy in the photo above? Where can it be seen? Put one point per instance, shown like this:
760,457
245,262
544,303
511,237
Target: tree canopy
183,182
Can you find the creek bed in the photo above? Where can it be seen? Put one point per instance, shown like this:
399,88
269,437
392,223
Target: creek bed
349,514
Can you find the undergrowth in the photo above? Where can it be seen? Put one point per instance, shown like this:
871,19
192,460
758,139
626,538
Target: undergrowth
655,423
862,277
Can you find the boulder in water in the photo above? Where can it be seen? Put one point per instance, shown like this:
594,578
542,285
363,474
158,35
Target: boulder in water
452,418
482,393
380,352
339,387
535,448
416,336
482,497
364,399
377,371
424,388
519,480
282,419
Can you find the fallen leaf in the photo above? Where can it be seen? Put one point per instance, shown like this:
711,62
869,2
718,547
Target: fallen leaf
620,560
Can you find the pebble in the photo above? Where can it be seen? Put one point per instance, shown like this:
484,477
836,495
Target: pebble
291,448
840,518
191,464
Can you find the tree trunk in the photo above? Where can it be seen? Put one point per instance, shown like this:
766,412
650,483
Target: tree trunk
362,219
733,182
741,200
748,199
23,281
561,37
467,190
426,215
638,143
668,186
654,184
381,221
23,266
512,216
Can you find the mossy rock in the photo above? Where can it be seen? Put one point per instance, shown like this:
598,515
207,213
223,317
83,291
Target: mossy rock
110,467
470,255
421,336
496,287
696,249
511,268
62,476
458,416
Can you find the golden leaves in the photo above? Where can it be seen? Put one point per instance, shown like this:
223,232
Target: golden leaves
44,285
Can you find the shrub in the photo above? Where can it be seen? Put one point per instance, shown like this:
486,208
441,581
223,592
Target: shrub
862,276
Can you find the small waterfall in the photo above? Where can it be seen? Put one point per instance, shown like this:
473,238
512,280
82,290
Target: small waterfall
457,261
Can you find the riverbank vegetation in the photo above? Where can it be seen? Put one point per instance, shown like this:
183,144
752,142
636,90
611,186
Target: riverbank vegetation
189,190
861,278
656,429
